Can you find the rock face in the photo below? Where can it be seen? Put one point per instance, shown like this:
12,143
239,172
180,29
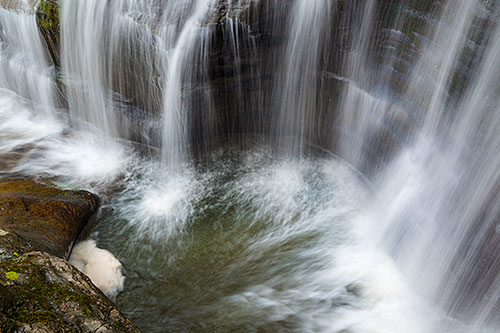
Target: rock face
48,218
42,293
47,17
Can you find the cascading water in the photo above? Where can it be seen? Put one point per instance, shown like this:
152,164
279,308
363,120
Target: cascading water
297,90
84,64
24,63
443,226
266,230
26,83
193,40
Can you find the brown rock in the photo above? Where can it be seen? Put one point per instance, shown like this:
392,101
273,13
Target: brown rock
47,217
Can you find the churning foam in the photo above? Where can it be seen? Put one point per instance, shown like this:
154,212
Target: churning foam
22,123
297,248
81,157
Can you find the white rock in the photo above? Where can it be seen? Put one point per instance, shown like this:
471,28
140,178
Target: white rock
100,265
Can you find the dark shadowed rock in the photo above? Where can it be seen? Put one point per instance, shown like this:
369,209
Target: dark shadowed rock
47,217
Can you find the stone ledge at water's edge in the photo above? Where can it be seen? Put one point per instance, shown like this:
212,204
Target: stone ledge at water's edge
48,218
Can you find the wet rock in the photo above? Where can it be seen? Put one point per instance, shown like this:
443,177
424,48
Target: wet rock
12,246
47,217
48,20
42,293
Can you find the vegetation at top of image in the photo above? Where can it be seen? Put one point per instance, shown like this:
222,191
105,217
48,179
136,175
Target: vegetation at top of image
48,15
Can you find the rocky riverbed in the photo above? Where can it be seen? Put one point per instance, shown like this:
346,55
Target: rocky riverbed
39,290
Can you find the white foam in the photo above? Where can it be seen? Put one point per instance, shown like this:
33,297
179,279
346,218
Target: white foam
159,202
100,265
85,157
20,125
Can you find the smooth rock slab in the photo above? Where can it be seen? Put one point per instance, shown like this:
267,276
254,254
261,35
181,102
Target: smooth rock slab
48,218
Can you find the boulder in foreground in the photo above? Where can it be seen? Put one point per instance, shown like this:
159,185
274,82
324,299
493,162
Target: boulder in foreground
48,218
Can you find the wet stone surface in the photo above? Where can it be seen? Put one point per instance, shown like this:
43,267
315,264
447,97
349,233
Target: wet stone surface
48,218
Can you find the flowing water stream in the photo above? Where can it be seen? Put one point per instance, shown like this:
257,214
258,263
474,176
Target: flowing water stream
272,165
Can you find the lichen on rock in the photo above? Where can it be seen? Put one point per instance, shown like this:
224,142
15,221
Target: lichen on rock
40,292
50,295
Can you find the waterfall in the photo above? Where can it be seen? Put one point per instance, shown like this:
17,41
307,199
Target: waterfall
188,51
28,92
443,228
297,88
299,165
84,64
110,60
359,127
24,64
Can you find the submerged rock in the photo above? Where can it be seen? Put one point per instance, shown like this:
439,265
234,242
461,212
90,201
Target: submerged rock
48,218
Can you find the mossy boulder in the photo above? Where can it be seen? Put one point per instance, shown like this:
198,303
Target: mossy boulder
48,20
48,218
43,293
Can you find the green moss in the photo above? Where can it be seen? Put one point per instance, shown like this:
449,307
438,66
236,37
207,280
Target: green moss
49,14
37,299
8,325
